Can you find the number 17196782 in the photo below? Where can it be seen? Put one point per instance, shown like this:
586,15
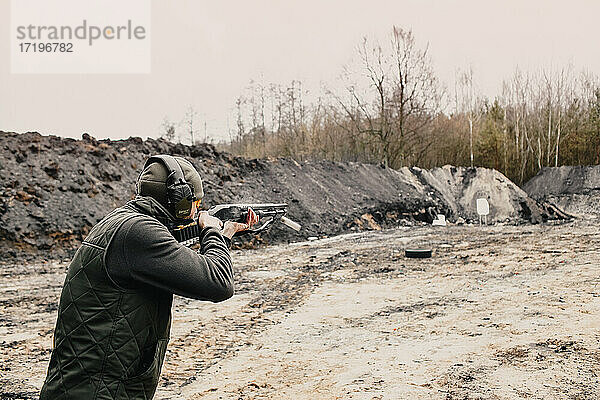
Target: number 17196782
55,47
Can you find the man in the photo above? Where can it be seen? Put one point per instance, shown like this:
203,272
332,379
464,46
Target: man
114,315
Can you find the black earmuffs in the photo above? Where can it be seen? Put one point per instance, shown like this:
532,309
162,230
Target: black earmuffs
180,194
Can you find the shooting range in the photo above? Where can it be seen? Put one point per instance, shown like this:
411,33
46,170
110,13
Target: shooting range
361,200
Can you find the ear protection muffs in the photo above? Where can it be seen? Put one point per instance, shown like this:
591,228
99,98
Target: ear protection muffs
180,194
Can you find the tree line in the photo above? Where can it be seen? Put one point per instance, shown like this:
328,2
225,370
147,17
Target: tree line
394,110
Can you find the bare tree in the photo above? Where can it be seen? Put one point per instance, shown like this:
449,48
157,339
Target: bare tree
402,96
517,102
557,93
168,129
190,120
241,130
468,102
390,111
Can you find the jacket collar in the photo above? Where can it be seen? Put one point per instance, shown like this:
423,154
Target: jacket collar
149,206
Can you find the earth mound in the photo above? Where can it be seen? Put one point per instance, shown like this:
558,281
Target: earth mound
53,190
576,190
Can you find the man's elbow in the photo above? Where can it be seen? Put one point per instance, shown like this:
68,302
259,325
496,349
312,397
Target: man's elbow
225,292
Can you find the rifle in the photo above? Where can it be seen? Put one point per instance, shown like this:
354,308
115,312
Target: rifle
239,213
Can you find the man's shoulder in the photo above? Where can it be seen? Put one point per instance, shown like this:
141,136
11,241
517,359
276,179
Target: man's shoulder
131,216
130,225
143,224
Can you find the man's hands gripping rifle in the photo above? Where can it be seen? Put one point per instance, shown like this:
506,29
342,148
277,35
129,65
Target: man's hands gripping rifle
244,213
238,220
228,228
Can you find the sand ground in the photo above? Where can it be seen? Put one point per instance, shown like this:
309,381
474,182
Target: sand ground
499,312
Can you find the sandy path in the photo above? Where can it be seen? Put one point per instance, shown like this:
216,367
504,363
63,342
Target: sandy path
497,313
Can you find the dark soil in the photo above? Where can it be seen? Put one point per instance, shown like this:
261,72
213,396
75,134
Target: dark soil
53,190
575,190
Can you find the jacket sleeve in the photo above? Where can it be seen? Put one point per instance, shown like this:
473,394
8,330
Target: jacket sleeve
149,255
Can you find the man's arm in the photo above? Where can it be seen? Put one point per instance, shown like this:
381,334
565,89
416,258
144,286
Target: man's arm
144,253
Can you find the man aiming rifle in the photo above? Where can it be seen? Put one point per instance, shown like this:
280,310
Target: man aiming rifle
114,315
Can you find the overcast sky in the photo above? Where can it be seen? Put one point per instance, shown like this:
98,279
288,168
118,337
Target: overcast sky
205,53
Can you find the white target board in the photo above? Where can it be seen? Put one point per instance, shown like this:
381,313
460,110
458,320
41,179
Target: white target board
483,207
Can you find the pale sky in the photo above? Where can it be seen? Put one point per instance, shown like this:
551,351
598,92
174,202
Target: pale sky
205,53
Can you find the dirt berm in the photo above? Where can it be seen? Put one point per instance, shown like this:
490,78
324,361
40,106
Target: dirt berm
53,190
576,190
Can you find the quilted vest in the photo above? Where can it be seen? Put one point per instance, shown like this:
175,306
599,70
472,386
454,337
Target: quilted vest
109,342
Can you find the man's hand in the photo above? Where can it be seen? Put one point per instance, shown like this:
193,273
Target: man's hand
208,221
231,228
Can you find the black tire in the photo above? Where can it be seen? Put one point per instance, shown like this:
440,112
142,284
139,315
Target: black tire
417,253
